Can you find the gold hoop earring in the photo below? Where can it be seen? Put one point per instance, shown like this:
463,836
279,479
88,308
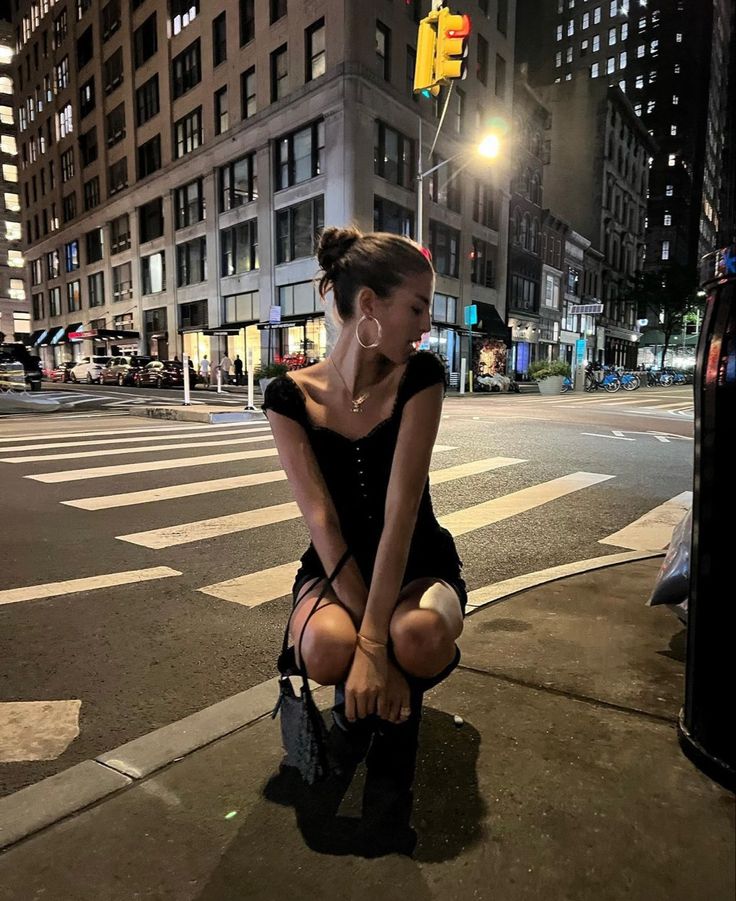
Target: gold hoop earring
378,335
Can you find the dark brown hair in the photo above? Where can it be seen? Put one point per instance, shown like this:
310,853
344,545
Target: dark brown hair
377,260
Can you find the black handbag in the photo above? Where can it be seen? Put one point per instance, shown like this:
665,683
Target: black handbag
303,731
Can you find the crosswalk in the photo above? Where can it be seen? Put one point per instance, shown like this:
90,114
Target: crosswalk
253,587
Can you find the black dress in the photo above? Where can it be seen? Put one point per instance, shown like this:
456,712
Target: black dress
357,473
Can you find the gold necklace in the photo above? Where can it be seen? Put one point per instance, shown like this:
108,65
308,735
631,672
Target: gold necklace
356,402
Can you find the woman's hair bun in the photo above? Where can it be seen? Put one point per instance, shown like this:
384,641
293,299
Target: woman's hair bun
334,243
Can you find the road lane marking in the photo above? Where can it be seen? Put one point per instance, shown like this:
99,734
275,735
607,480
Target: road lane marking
73,586
489,512
124,451
204,529
37,730
129,499
206,427
138,439
596,435
653,530
253,589
124,469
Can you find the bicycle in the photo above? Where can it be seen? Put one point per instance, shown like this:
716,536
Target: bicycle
610,381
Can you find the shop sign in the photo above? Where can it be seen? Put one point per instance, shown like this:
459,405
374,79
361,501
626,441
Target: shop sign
77,336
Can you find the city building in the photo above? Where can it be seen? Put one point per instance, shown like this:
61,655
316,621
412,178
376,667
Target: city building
178,160
15,317
661,53
597,180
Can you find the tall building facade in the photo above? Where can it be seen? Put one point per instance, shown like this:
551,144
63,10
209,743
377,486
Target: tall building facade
15,319
179,158
659,53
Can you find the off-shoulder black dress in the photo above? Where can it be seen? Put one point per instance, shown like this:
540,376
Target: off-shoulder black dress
357,473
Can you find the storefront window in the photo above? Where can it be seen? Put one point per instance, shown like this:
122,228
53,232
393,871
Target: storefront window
304,343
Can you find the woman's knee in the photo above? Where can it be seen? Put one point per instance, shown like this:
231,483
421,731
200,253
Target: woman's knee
328,648
421,641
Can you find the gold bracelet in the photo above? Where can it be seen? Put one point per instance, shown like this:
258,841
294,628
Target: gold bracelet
379,644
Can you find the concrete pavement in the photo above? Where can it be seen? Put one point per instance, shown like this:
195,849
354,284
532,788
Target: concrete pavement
564,782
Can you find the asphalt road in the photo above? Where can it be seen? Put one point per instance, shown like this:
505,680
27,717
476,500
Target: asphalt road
141,655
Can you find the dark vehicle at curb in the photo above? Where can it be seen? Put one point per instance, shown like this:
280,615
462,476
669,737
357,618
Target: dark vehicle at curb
166,374
18,353
124,370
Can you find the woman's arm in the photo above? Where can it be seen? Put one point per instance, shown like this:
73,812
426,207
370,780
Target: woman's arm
419,425
316,505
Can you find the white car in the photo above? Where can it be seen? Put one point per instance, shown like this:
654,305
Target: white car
89,369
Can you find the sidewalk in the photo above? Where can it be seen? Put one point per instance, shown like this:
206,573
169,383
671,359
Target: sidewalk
564,782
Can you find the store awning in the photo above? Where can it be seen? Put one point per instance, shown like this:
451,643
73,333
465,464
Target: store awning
490,323
37,337
75,327
225,330
57,335
106,334
285,323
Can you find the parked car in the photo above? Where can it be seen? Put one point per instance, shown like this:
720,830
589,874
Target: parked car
167,374
88,369
18,353
62,372
123,370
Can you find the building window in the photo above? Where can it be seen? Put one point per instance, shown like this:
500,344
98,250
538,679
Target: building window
61,76
53,266
183,13
221,110
191,262
639,81
147,100
297,229
670,191
188,133
278,10
74,296
186,69
60,29
485,209
85,48
119,234
482,64
673,130
239,248
67,165
596,43
481,264
596,15
110,19
501,75
122,282
678,38
594,70
189,204
315,50
672,159
117,177
611,36
641,50
193,315
300,155
568,54
243,307
115,125
444,245
112,71
444,187
149,157
675,100
390,217
298,299
558,33
502,16
219,40
279,74
665,250
96,289
650,106
558,59
153,273
88,147
38,311
238,183
668,219
69,207
92,193
247,21
71,255
86,98
145,41
383,50
444,308
64,122
586,21
151,220
55,302
248,93
94,242
622,60
393,156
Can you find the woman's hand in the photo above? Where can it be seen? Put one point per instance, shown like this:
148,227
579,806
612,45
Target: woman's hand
366,681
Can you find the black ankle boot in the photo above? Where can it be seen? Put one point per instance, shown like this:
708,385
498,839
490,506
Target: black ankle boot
349,741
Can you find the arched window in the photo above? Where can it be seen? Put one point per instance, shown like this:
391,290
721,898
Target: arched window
524,231
528,182
535,194
534,236
514,223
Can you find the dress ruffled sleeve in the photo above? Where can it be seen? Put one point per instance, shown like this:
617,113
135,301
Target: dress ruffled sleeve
283,396
424,369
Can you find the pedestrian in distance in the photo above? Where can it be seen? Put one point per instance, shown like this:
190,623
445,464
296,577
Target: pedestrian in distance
355,434
204,369
238,367
225,367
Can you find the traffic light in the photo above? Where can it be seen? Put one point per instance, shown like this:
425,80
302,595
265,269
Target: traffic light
424,80
453,33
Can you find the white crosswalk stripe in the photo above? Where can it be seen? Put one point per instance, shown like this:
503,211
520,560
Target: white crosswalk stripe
103,433
74,586
151,448
653,530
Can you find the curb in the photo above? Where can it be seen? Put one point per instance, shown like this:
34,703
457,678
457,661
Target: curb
38,806
195,414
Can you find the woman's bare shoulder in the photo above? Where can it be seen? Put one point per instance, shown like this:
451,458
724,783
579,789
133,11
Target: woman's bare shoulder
311,378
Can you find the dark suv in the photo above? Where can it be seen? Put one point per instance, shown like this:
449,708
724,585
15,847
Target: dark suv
17,353
123,370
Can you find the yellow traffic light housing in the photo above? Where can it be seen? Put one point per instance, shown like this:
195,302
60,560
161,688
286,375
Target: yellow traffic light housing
424,79
453,33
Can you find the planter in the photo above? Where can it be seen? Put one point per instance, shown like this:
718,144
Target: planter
551,385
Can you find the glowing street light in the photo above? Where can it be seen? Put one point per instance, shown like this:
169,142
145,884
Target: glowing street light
490,146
